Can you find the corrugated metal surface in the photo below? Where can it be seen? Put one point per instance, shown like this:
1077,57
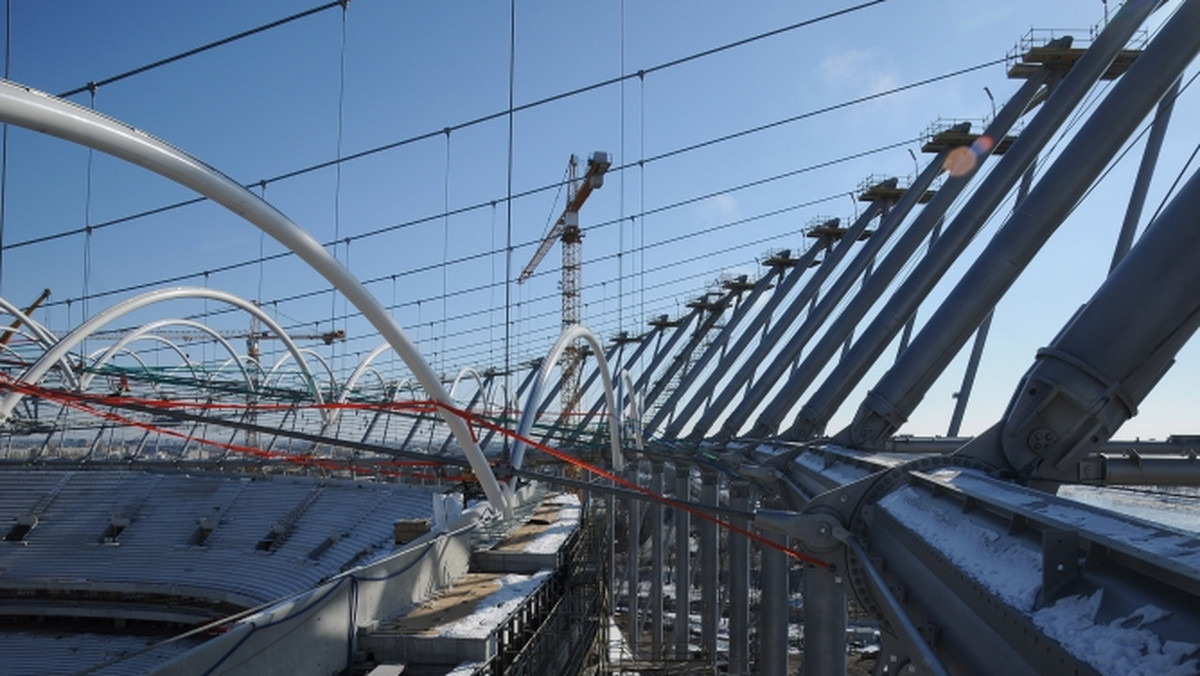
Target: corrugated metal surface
156,551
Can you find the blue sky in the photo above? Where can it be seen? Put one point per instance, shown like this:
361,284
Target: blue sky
338,84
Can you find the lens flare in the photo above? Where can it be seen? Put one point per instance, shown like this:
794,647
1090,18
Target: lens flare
959,161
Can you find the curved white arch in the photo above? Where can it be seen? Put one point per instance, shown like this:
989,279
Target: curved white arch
242,360
60,349
47,114
43,336
463,372
497,386
149,328
569,336
142,363
302,364
20,357
361,369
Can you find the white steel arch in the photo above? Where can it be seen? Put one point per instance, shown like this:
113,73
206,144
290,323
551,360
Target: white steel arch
142,363
572,333
147,330
43,336
462,373
303,365
60,349
47,114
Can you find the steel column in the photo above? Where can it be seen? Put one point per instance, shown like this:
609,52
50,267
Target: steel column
791,312
710,570
985,198
683,574
773,628
1130,100
739,583
788,280
656,562
824,623
633,535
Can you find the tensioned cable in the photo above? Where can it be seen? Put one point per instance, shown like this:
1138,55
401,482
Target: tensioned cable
666,266
660,268
202,48
337,181
509,246
4,136
512,109
434,266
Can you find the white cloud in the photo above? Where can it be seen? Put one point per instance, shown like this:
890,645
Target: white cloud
861,71
719,209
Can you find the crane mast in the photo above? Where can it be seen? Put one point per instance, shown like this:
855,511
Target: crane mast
567,229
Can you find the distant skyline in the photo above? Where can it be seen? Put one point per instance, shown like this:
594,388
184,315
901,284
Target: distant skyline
712,156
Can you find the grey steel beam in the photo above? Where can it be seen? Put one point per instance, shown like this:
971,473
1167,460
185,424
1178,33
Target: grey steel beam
974,617
739,583
758,358
773,627
788,281
906,335
1137,198
714,310
824,623
683,575
656,562
661,352
1026,230
742,311
873,340
534,368
632,561
642,344
830,342
963,396
1094,375
710,570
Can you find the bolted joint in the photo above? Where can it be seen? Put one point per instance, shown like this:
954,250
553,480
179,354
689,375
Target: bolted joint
818,533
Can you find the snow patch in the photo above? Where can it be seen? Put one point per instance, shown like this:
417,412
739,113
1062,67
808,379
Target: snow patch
494,609
552,538
1005,566
1122,646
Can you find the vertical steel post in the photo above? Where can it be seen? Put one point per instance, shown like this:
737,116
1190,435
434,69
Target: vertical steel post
633,533
824,623
710,569
656,562
773,628
683,574
739,583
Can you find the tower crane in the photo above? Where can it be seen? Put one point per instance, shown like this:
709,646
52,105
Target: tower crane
567,229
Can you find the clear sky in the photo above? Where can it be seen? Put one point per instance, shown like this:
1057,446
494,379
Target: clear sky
426,220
